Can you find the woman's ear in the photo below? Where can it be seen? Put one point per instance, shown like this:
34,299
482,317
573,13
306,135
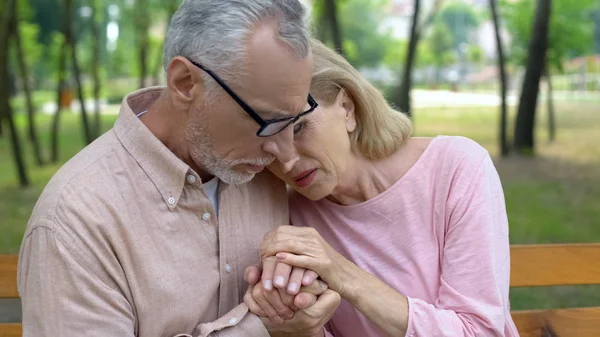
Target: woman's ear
348,105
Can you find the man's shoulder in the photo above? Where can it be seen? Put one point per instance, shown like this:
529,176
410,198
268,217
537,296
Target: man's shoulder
85,176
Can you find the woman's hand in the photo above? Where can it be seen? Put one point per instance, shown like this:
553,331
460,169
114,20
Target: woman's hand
303,247
285,277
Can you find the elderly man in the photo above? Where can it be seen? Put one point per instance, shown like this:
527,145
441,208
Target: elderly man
147,231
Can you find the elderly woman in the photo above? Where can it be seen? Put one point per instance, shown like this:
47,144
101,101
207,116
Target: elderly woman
411,232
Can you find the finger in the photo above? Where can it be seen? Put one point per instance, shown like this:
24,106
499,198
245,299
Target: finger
296,280
301,261
259,296
268,266
282,310
287,299
325,304
309,277
252,305
304,300
252,275
282,275
316,288
283,243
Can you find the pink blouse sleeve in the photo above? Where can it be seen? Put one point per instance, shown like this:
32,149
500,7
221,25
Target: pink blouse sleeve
473,296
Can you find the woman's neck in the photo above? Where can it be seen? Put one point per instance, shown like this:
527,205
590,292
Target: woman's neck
362,179
365,178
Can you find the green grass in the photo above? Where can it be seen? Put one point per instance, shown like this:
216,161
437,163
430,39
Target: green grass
551,198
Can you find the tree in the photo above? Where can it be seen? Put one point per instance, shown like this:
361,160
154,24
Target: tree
525,125
403,101
158,66
6,112
416,31
71,42
570,35
501,69
24,70
143,40
95,64
331,14
364,43
460,18
441,46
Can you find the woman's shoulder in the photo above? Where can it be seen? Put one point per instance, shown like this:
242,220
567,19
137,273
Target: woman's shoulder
457,151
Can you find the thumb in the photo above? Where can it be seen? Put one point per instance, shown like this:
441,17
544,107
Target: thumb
326,303
252,275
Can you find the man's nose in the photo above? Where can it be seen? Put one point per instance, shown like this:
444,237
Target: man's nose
282,147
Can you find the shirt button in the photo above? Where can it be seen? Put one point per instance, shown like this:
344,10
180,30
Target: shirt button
233,321
228,268
171,201
206,216
191,179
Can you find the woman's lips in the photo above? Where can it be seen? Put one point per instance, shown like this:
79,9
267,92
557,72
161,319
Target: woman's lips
305,178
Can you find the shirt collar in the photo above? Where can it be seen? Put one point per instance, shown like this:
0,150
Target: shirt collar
166,171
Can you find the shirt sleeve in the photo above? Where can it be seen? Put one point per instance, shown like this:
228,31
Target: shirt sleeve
239,322
474,283
64,294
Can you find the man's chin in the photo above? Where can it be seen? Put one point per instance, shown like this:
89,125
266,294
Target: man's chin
235,177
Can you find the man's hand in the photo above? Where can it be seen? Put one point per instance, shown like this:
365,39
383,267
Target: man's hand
278,304
307,322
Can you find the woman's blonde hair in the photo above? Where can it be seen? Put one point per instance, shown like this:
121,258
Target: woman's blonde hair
380,129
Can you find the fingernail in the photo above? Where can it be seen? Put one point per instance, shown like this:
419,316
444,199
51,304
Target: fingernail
323,285
306,280
280,281
268,285
293,287
262,313
279,320
281,256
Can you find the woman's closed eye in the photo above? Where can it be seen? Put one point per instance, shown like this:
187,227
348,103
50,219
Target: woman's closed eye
298,127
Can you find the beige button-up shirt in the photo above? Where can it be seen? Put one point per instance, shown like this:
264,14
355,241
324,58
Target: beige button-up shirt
124,242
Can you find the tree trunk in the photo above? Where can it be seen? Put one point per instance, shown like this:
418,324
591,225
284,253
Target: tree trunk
504,150
95,67
33,136
5,107
550,106
331,14
62,63
70,39
159,58
525,125
430,17
142,38
403,101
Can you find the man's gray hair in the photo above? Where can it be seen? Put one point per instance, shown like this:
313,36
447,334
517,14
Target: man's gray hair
214,33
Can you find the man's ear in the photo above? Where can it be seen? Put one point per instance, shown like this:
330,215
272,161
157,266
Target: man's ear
348,105
184,81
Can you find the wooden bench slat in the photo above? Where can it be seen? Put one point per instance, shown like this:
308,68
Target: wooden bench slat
8,276
580,322
11,330
554,265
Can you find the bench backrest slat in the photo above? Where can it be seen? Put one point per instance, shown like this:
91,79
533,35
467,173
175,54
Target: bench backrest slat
554,265
580,322
8,276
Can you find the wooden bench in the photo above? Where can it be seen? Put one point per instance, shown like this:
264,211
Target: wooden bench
531,266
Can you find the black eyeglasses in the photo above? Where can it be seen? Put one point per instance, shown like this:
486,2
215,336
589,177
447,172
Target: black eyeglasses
268,127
